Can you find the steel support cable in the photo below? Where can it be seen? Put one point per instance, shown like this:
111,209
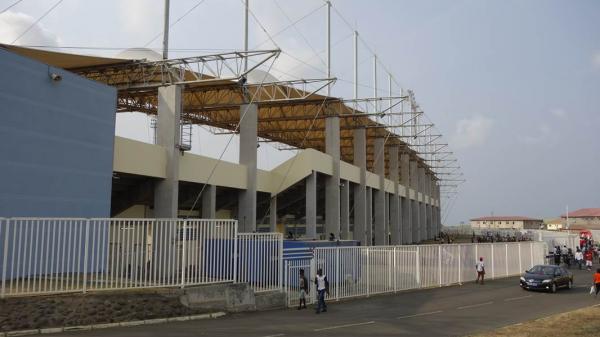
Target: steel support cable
290,26
289,168
189,50
262,27
36,21
300,33
11,6
176,21
242,115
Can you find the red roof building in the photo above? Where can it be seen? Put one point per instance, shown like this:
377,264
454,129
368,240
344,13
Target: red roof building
584,218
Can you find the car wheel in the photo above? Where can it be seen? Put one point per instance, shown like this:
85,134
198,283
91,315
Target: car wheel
553,288
570,284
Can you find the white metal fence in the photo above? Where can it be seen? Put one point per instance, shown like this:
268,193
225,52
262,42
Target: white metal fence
556,238
364,271
260,262
41,256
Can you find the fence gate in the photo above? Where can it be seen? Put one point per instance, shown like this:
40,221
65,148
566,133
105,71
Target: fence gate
296,259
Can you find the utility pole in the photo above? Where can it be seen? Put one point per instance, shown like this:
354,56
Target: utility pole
328,46
246,9
166,32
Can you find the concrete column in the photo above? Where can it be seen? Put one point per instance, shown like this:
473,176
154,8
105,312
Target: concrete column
332,184
428,222
369,228
345,209
422,205
273,213
395,234
311,206
209,202
386,218
166,191
379,205
248,145
406,203
360,190
414,177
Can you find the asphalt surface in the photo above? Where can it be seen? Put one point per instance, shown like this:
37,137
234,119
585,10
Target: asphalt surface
448,311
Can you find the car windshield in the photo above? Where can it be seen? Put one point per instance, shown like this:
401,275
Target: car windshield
541,270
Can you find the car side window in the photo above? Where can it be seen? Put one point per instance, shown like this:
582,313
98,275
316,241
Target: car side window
564,271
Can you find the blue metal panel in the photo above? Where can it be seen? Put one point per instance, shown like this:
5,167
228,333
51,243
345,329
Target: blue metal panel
56,141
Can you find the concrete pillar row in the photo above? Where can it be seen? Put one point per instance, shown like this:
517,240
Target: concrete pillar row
379,206
406,203
360,190
332,184
273,213
166,191
248,146
415,214
311,205
345,210
395,232
369,228
209,202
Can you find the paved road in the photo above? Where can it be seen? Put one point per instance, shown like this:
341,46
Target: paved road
450,311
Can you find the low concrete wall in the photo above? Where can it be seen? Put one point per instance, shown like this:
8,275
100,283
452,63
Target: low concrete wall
231,297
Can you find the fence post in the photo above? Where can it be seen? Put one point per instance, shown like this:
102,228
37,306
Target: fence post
506,258
337,273
368,270
183,253
85,254
418,261
440,264
493,267
235,251
395,270
287,285
280,244
531,252
5,256
459,265
520,263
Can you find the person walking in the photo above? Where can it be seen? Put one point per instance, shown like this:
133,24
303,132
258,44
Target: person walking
322,285
588,256
597,281
480,267
579,258
303,282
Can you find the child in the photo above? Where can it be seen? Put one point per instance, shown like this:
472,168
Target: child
303,282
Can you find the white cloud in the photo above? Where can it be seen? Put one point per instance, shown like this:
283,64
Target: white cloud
540,136
471,132
596,60
558,112
142,18
12,25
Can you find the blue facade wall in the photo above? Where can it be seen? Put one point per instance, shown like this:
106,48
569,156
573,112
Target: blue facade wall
56,141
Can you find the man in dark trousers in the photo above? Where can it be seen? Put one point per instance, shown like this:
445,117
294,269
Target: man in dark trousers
322,287
480,267
303,282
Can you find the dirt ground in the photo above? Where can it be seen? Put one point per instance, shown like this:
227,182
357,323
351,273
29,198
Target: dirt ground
579,323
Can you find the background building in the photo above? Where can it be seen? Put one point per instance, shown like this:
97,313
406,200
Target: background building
554,224
506,222
584,218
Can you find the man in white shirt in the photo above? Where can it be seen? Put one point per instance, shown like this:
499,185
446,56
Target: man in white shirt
480,267
322,287
579,258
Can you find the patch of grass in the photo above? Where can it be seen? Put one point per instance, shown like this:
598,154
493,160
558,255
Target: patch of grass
579,323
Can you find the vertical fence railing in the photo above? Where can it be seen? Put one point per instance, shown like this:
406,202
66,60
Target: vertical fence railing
364,271
52,255
260,260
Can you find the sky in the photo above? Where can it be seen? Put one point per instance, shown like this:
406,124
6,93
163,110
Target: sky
514,86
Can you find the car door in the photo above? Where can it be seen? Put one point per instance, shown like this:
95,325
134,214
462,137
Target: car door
558,277
566,276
